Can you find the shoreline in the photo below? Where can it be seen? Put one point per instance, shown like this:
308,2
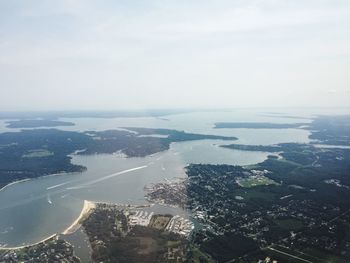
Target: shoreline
88,206
36,178
13,183
30,245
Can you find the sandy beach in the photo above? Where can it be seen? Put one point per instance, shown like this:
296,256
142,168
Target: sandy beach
13,183
30,245
88,206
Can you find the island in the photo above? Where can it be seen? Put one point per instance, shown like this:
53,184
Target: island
257,125
37,123
254,148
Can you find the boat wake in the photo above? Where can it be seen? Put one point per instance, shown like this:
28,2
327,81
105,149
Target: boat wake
163,168
106,177
49,199
57,185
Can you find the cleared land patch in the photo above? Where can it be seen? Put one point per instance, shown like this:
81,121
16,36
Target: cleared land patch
38,153
160,221
253,181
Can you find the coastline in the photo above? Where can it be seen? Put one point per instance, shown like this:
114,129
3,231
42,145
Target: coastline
87,208
35,178
15,182
30,245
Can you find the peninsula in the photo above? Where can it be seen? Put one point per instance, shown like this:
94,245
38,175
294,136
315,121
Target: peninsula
37,152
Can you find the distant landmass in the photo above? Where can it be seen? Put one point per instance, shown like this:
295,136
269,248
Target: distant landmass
284,116
253,148
37,123
330,130
256,125
91,114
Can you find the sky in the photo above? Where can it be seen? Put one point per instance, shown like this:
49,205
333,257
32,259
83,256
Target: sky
122,54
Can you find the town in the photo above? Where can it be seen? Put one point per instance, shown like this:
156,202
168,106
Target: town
52,250
294,220
170,192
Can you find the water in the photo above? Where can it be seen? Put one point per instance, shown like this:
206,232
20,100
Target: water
199,122
81,244
35,209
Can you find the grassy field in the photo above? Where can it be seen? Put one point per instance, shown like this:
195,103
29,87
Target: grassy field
37,153
252,181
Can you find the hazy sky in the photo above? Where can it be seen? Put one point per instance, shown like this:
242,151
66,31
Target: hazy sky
71,54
